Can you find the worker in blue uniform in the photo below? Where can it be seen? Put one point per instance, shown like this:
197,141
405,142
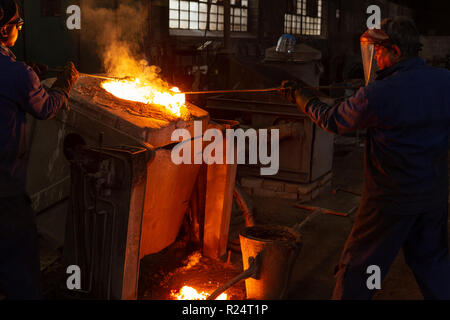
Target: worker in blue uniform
404,204
21,93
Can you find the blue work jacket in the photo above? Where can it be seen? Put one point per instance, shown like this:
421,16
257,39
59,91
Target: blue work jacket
406,112
20,93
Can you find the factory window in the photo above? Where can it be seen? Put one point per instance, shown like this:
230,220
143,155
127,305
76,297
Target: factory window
50,8
304,17
192,15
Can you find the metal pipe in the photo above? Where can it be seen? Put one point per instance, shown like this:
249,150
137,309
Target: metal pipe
248,215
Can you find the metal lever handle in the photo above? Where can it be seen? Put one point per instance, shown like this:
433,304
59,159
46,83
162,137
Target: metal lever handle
253,270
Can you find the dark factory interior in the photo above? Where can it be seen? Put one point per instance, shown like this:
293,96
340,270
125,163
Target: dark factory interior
334,187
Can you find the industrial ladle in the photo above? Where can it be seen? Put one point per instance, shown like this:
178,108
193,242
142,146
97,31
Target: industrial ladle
255,264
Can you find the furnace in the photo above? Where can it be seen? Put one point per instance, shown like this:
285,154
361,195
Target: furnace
127,198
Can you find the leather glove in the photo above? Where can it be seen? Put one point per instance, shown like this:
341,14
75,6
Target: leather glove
66,79
296,94
40,69
288,90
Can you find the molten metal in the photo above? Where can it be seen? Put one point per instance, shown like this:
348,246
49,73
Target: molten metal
189,293
139,91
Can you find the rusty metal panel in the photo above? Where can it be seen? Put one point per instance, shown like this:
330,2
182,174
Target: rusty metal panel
103,227
169,189
220,184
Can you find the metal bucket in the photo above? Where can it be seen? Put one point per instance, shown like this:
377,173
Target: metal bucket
278,247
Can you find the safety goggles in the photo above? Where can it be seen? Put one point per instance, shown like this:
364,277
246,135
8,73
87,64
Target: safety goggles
18,23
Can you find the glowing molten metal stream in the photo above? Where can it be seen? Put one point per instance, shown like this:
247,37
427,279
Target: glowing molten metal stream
136,90
189,293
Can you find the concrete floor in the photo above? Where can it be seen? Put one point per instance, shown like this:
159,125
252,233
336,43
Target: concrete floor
323,239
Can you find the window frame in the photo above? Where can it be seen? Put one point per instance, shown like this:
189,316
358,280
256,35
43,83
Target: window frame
300,24
216,18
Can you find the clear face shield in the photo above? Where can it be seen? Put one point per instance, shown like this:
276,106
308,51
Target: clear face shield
368,60
286,44
368,41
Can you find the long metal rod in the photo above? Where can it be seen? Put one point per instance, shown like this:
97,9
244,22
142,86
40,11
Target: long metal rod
232,91
207,92
298,227
98,77
324,210
262,90
87,74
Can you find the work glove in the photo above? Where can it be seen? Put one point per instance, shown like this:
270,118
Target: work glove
295,93
40,69
288,89
66,79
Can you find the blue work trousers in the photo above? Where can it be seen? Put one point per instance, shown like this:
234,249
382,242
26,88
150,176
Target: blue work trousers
376,239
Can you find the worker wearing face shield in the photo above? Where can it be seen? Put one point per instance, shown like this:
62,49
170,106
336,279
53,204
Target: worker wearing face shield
405,108
21,93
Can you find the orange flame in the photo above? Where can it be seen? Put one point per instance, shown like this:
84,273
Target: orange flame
144,85
137,90
189,293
